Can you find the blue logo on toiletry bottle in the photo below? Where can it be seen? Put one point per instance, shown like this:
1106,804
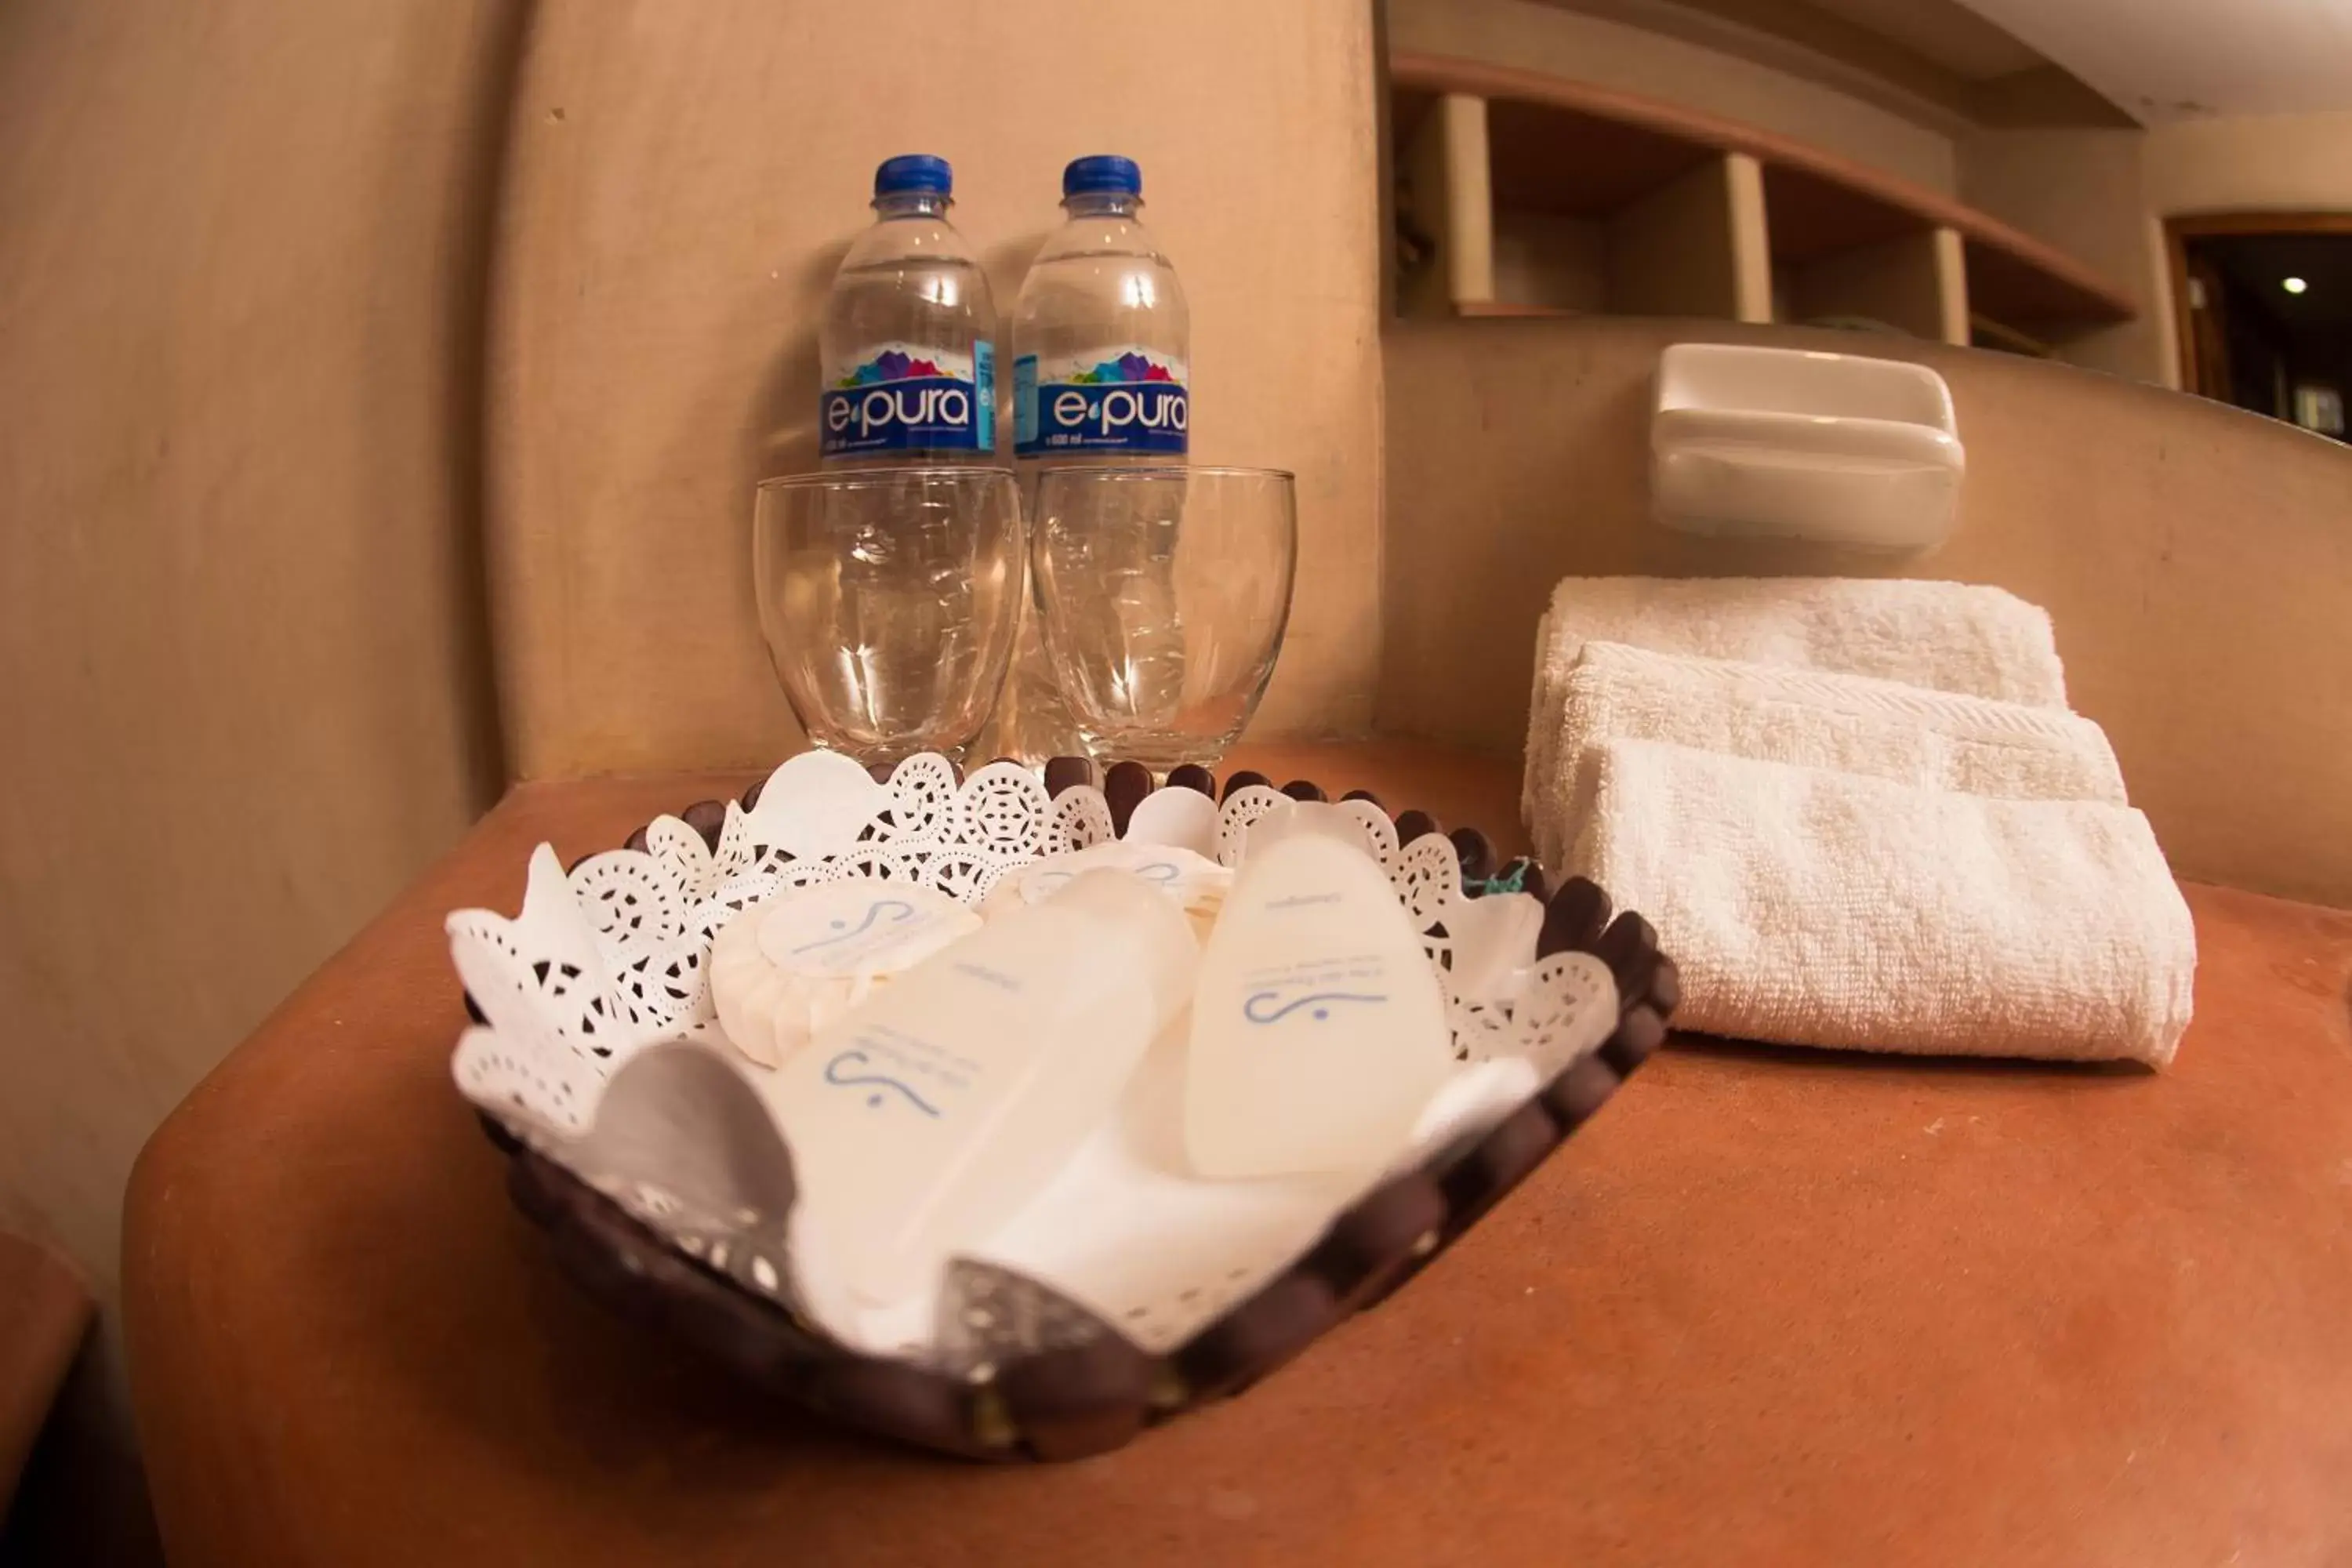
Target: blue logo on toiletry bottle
1128,402
898,400
1272,1005
856,1069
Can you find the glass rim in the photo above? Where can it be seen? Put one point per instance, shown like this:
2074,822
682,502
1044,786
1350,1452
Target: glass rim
849,478
1164,471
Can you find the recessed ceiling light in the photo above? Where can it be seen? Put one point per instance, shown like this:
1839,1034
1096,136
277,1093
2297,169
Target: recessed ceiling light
2293,285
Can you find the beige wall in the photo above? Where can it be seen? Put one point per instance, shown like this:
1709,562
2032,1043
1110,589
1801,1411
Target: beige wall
683,183
2102,195
2194,559
2282,163
2265,162
241,670
2083,191
1542,37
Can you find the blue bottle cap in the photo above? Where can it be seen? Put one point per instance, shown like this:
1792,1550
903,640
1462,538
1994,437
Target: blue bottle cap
911,173
1105,171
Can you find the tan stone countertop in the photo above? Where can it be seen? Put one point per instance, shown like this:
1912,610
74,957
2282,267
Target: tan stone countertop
1771,1307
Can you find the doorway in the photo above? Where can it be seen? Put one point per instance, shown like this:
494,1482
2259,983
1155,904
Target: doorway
2263,303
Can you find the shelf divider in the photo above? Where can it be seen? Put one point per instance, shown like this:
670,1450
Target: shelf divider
1694,247
2014,275
1447,173
1916,282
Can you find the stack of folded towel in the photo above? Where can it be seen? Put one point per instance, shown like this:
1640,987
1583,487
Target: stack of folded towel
1859,813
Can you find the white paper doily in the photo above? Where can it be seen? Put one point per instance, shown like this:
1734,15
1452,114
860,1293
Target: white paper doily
609,959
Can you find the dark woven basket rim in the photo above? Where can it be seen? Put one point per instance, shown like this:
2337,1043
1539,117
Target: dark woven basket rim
1067,1403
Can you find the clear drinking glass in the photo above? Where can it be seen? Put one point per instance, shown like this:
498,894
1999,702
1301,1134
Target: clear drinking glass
888,598
1162,592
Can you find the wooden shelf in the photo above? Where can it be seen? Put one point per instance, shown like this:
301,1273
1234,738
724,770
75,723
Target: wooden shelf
1469,308
1616,164
1635,223
1985,332
1836,238
1851,257
1813,216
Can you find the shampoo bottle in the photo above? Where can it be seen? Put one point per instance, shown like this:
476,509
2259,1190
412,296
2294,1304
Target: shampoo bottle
1318,1030
922,1120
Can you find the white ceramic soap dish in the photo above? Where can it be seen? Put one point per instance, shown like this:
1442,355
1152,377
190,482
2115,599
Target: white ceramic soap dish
1789,443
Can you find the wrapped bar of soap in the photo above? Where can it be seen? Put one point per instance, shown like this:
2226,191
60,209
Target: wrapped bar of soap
1197,883
785,968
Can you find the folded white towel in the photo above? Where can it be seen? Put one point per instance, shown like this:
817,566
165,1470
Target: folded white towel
1819,908
1853,723
1947,636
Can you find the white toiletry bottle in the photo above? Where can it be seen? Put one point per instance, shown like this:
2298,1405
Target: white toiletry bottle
1318,1030
925,1118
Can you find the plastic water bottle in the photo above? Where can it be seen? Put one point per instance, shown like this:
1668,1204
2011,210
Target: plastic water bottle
1101,331
908,347
1102,376
907,355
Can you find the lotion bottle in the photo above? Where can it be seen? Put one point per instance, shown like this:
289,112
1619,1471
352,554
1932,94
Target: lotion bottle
922,1120
1318,1030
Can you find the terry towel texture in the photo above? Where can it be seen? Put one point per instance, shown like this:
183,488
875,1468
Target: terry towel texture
1859,813
1852,723
1945,636
1820,908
